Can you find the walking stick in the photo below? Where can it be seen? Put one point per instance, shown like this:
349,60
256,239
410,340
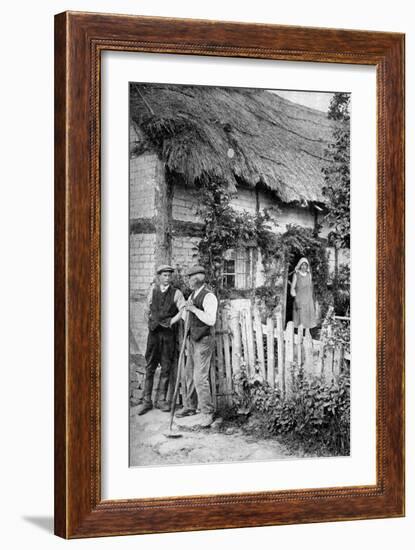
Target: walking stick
178,376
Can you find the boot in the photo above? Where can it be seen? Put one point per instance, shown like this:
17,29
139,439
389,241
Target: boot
162,403
145,407
147,403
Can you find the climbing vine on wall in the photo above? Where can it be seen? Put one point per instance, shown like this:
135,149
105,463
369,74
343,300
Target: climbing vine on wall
227,228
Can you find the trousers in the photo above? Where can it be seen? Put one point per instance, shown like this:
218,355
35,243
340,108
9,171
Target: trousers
197,371
161,345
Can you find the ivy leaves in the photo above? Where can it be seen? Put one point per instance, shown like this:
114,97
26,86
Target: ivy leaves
337,173
225,228
315,416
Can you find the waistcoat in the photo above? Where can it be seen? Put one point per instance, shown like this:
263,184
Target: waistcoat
199,329
162,307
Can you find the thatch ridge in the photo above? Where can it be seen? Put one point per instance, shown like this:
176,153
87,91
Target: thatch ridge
277,143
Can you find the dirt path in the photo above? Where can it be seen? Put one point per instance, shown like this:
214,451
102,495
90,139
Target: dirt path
219,443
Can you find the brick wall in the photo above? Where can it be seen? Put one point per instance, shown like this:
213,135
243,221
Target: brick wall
183,251
184,205
146,177
142,262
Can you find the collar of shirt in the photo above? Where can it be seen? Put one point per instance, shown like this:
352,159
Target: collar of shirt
198,290
163,288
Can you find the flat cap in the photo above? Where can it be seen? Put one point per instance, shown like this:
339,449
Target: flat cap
164,267
195,269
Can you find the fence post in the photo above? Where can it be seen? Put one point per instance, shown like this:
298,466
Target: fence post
289,357
280,354
259,340
270,352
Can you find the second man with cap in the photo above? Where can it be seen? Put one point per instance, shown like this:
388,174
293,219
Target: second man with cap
202,308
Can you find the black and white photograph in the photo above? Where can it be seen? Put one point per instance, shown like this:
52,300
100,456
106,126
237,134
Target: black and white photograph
239,274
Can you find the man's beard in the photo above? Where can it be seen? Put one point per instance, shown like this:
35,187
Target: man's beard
197,284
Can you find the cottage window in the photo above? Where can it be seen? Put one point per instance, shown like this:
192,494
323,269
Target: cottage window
237,269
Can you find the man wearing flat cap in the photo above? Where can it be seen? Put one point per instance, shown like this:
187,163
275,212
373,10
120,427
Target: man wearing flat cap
165,304
202,308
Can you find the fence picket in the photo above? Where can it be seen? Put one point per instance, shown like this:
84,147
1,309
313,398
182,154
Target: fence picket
308,354
227,356
289,357
239,337
250,341
280,354
213,378
220,362
337,362
235,341
327,374
320,360
245,357
299,345
270,352
259,341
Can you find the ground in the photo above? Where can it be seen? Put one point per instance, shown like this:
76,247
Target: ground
222,442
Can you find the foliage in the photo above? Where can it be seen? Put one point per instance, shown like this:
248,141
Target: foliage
179,281
315,415
336,188
339,106
253,392
341,290
335,331
225,228
289,247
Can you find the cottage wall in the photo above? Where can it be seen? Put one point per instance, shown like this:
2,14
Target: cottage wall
245,200
184,204
148,199
164,228
143,174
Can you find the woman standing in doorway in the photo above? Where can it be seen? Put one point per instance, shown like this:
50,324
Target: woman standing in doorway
302,291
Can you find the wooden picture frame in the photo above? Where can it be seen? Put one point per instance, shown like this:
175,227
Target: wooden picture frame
79,40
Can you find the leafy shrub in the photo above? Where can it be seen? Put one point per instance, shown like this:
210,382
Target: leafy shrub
315,415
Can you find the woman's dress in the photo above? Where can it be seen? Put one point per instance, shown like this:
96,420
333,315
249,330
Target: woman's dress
303,308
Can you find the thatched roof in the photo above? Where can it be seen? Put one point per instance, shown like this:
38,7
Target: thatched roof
275,142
